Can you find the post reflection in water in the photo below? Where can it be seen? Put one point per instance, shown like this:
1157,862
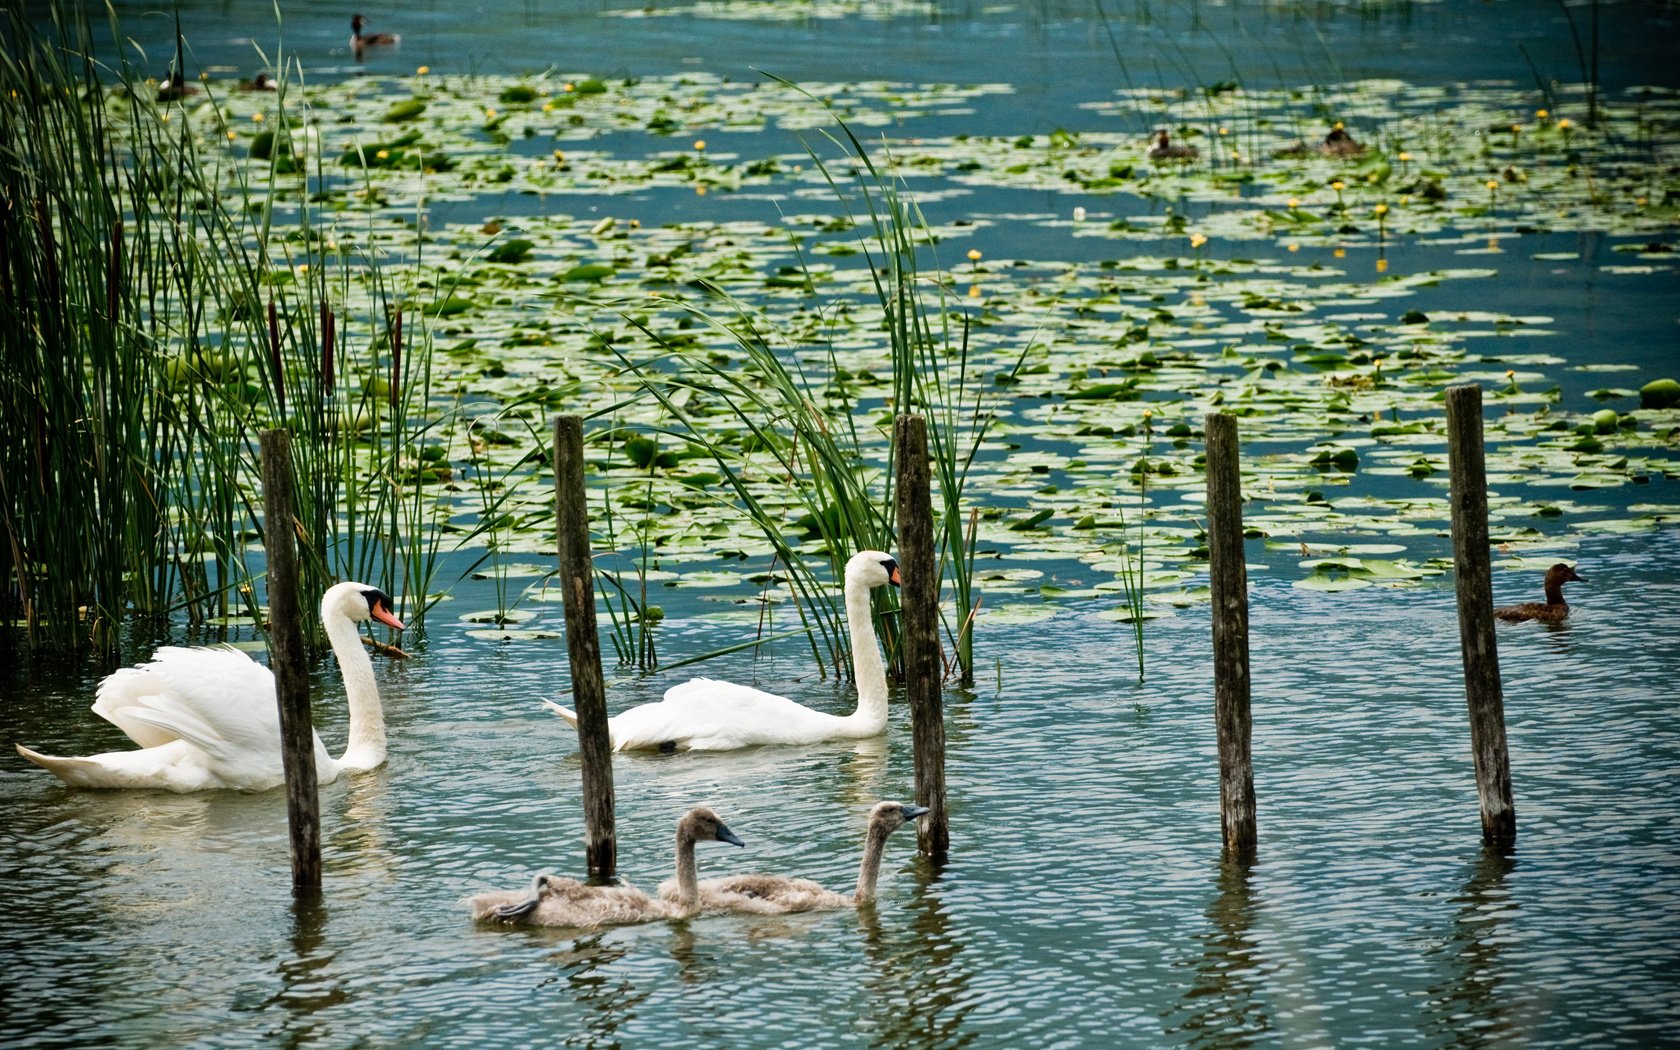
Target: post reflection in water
1467,1006
606,999
920,985
1225,1005
307,983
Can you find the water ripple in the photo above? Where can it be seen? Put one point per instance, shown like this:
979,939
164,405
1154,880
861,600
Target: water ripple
1085,903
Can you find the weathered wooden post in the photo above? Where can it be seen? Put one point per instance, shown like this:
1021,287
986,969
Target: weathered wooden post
1473,571
1228,582
286,659
919,571
583,644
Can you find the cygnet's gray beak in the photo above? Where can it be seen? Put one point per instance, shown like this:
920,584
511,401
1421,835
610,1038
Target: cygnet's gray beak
912,812
725,835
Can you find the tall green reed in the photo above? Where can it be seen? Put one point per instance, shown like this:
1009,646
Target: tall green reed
933,373
794,465
795,459
150,330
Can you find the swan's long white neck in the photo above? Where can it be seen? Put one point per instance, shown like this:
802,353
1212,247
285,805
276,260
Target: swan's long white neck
366,746
869,872
868,671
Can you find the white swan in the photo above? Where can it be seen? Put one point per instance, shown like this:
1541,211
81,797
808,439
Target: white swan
704,714
555,901
206,718
776,894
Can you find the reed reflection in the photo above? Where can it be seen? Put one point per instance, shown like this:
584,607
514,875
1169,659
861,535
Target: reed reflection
1468,1006
920,984
1225,1005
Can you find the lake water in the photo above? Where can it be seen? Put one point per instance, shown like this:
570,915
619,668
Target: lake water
1085,902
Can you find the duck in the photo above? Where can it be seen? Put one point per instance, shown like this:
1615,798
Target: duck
779,895
360,40
260,82
1554,609
175,88
704,714
555,901
206,718
1338,143
1162,148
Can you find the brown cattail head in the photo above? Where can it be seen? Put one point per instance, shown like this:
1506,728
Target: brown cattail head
274,356
396,358
327,343
113,274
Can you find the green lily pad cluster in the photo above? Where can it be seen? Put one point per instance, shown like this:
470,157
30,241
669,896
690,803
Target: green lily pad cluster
552,231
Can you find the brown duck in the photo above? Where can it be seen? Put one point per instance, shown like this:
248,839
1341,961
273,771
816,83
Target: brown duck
1164,148
1554,608
360,41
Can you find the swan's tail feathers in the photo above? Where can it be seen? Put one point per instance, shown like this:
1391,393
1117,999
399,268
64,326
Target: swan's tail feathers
564,712
77,772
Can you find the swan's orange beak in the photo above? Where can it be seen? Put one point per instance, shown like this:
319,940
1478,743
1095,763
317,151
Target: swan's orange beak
383,615
893,579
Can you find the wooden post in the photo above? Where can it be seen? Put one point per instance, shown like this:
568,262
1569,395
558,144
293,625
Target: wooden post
1228,581
583,644
286,660
1473,570
919,570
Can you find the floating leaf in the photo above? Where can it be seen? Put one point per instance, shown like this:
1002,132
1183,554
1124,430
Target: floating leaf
594,272
450,306
1659,393
1332,584
514,251
404,111
499,616
1103,391
515,635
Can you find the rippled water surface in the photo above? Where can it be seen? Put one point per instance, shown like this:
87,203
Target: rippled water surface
1085,902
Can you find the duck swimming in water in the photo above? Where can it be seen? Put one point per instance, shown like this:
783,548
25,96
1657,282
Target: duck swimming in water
1162,148
1337,143
1554,609
1340,144
360,41
175,88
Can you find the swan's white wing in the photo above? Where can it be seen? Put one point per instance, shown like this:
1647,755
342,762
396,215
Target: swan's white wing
704,714
219,700
125,689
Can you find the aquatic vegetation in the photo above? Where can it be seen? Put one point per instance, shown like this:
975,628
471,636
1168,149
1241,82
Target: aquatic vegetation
155,330
754,341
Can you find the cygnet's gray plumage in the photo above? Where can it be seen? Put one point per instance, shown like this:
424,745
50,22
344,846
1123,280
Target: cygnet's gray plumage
556,901
776,894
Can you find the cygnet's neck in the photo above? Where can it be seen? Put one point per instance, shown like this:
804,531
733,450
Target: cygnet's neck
869,872
688,876
868,671
366,746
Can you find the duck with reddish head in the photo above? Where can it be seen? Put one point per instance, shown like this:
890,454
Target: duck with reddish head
1554,609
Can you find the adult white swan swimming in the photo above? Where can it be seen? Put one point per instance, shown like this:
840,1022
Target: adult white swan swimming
206,718
704,714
